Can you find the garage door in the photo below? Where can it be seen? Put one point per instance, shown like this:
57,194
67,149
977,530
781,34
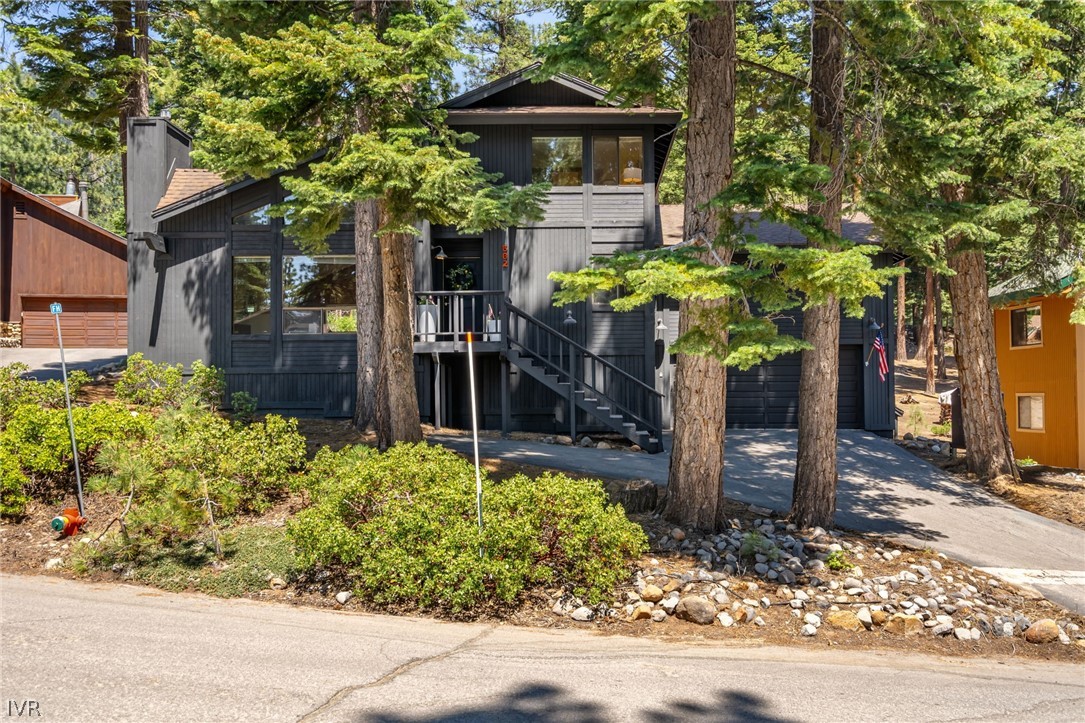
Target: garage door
767,396
86,322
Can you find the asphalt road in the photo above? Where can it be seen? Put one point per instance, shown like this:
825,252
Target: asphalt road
87,652
45,363
882,488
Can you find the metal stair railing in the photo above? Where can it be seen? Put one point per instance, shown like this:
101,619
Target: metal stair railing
585,371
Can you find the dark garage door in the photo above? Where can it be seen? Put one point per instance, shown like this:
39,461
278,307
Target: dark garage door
86,322
766,396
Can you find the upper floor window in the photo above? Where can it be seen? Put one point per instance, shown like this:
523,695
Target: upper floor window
557,160
253,217
251,295
1026,327
319,295
618,160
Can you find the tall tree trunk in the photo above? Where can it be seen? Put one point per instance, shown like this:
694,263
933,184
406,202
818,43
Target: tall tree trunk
370,300
140,89
939,331
397,398
813,497
902,332
695,482
122,48
928,330
988,450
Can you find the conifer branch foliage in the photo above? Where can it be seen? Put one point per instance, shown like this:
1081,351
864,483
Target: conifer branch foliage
285,97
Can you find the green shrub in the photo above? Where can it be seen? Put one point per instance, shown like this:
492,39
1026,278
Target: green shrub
149,384
199,469
17,391
838,561
941,430
207,386
36,446
13,484
244,406
404,524
152,385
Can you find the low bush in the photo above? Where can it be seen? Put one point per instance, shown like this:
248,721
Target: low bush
36,447
17,391
404,525
198,470
148,384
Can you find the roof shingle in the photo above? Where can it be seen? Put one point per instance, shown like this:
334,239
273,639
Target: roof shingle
188,182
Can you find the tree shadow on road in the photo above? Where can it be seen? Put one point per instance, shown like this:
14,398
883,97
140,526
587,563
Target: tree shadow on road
542,703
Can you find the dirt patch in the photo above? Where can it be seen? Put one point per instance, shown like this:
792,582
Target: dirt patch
1055,493
922,411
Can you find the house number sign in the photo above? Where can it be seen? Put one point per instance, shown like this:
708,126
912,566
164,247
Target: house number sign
504,256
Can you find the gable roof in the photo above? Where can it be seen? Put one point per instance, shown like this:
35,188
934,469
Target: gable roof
1026,286
108,236
523,75
855,227
187,182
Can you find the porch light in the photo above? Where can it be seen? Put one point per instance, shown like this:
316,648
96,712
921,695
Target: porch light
874,327
568,322
660,328
440,255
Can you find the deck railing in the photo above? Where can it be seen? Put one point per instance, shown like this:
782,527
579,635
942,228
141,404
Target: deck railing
447,316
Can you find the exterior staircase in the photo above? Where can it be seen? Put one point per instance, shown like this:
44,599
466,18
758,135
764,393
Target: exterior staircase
589,383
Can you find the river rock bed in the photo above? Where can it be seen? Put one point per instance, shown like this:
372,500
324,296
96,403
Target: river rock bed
765,573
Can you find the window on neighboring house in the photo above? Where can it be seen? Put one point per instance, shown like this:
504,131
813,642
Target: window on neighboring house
253,217
319,295
251,295
1026,327
618,160
1030,412
557,160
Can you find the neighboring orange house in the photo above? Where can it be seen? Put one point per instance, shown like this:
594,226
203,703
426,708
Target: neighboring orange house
1041,362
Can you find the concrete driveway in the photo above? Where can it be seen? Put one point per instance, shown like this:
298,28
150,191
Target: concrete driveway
45,363
882,489
112,652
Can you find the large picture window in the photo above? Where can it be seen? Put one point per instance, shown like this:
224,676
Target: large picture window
258,216
319,295
251,295
557,160
1026,327
618,160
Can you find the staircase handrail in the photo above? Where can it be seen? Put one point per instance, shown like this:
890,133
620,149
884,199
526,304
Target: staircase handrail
580,348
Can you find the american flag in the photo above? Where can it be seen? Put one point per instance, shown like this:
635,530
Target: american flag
883,363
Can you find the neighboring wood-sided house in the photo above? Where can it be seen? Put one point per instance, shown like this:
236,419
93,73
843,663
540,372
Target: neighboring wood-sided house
1041,365
50,252
213,277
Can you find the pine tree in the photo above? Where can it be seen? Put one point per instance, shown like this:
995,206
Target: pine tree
359,83
973,146
499,38
90,59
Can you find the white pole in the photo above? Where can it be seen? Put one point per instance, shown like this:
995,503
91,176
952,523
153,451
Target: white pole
55,308
474,430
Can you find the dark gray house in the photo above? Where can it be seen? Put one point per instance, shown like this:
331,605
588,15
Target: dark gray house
213,277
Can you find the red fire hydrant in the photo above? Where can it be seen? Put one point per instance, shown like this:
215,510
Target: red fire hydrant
68,522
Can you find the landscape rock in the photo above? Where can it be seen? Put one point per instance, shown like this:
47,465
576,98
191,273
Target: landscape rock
900,624
659,616
809,630
583,614
725,620
53,562
586,442
962,633
277,583
343,597
642,612
651,594
865,617
844,620
1043,631
696,609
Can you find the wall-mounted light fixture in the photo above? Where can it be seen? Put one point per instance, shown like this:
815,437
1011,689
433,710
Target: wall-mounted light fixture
660,328
440,254
568,322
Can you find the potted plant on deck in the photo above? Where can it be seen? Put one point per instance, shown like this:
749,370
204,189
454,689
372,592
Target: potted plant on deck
425,318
